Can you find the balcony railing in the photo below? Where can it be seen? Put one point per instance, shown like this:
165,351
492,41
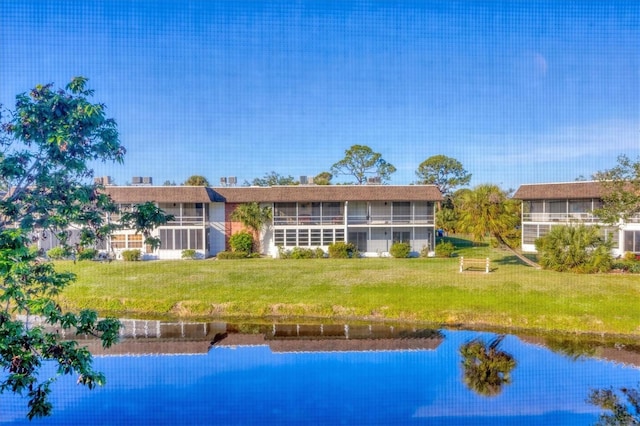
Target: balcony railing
560,217
187,221
308,220
353,220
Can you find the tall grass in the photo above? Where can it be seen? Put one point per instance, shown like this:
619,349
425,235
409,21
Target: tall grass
420,290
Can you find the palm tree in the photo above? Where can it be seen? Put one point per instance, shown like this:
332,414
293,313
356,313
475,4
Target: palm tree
486,210
254,218
486,368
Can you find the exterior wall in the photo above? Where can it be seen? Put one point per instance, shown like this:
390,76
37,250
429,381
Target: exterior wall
373,226
217,228
539,216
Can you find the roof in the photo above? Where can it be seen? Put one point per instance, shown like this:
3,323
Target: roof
331,193
159,194
301,193
559,191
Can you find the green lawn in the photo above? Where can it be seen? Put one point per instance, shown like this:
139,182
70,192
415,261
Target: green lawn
418,290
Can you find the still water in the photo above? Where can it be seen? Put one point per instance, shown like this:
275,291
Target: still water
216,373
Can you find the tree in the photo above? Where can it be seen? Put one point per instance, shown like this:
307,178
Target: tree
485,210
444,172
577,248
323,178
253,217
46,145
169,183
274,179
486,368
360,162
621,184
196,180
620,413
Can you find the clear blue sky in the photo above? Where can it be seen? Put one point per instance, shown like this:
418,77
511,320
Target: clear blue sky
519,92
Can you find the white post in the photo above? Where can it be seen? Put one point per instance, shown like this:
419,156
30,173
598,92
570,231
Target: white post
486,266
461,263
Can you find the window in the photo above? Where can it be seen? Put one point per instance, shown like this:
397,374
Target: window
291,239
303,237
118,241
134,241
278,237
632,241
316,237
401,236
401,212
327,236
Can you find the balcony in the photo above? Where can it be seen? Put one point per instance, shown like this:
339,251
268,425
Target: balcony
308,220
187,221
354,220
586,217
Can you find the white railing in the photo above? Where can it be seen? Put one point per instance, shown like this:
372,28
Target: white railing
560,217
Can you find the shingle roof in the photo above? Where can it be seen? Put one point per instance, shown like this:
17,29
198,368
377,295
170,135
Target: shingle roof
199,194
331,193
180,194
558,191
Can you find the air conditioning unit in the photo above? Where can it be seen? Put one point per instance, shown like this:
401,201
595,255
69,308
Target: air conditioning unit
147,180
223,181
374,180
136,180
233,180
304,180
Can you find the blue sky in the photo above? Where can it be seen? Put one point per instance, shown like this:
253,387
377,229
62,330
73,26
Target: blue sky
519,92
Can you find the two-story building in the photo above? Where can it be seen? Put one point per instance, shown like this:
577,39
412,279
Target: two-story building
371,216
546,205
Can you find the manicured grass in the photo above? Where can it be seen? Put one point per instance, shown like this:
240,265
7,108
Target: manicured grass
418,290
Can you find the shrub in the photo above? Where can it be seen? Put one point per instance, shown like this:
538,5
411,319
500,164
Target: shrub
574,248
132,255
445,249
57,253
87,254
189,254
241,241
621,265
629,256
300,253
400,250
226,255
342,250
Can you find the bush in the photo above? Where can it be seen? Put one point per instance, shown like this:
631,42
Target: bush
57,253
87,254
189,254
300,253
400,250
132,255
227,255
629,256
574,248
342,250
241,241
445,249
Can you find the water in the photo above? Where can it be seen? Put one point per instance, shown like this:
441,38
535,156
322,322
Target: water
333,375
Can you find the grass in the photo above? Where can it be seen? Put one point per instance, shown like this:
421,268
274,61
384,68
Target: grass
412,290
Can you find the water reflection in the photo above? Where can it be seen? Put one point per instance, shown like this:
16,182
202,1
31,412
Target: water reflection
621,408
486,368
157,337
238,374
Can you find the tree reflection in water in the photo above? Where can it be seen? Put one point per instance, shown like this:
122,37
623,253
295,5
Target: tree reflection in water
620,413
486,368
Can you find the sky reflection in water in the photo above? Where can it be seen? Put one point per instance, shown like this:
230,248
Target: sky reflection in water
253,385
